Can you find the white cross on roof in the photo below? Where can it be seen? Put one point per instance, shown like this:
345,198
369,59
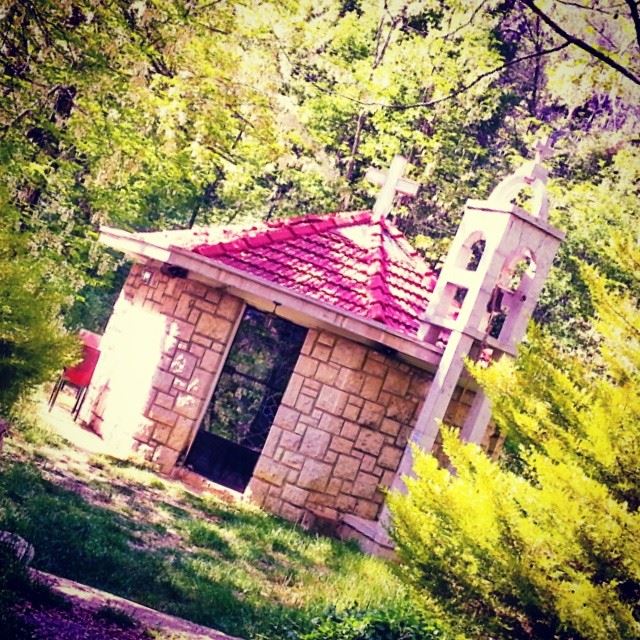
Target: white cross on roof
543,149
391,182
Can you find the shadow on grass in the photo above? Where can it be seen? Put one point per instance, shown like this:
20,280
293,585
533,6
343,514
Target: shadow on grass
240,554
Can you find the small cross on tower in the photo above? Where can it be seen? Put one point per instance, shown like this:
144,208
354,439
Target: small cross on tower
543,149
391,182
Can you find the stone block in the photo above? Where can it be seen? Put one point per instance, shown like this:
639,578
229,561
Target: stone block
330,424
204,305
162,380
214,327
309,342
197,289
345,503
165,457
327,373
315,442
272,503
374,366
210,361
314,475
351,412
258,490
197,350
365,485
161,433
371,414
200,383
403,436
183,364
367,510
311,387
391,427
324,337
164,400
396,382
304,403
400,409
350,380
389,457
330,457
207,343
293,389
387,478
333,488
371,388
212,295
290,440
229,307
369,441
194,316
286,418
306,366
160,414
294,495
346,467
168,306
180,434
270,471
321,352
179,329
349,354
292,459
188,405
291,512
271,443
341,445
331,400
350,430
368,464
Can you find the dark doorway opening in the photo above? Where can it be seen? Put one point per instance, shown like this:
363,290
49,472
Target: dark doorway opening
253,380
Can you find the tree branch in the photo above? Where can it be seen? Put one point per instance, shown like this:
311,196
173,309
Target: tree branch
635,16
585,46
452,94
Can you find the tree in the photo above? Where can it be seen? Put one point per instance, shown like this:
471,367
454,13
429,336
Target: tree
545,543
33,343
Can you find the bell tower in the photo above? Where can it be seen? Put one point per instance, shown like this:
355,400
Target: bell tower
486,292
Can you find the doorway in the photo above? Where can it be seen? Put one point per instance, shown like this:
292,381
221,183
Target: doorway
241,411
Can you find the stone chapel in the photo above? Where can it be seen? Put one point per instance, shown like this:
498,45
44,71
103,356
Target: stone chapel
294,361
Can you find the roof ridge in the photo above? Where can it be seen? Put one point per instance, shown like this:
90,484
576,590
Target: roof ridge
400,239
283,230
378,288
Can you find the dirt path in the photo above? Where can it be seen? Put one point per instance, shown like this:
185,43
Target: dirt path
91,599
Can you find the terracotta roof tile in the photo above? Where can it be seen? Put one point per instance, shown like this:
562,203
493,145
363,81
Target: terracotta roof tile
354,261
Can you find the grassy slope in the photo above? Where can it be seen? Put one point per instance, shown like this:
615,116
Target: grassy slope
119,527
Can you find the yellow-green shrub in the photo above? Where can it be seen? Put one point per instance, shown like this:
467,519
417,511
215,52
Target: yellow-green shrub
545,543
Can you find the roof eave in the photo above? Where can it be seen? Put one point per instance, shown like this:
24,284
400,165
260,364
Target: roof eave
246,285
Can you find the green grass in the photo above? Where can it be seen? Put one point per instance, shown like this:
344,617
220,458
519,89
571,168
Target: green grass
118,527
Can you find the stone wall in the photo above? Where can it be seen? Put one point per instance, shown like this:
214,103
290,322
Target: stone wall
340,432
161,354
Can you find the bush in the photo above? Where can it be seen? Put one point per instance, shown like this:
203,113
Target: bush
545,544
33,344
404,623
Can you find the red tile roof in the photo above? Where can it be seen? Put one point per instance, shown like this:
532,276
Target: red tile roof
354,261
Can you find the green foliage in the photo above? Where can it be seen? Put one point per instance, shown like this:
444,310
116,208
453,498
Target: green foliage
228,566
402,623
33,343
546,543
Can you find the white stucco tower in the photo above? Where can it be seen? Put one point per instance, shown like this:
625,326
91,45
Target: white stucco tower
486,292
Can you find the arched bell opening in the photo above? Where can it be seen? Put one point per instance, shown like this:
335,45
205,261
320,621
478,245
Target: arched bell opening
471,252
510,292
520,268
